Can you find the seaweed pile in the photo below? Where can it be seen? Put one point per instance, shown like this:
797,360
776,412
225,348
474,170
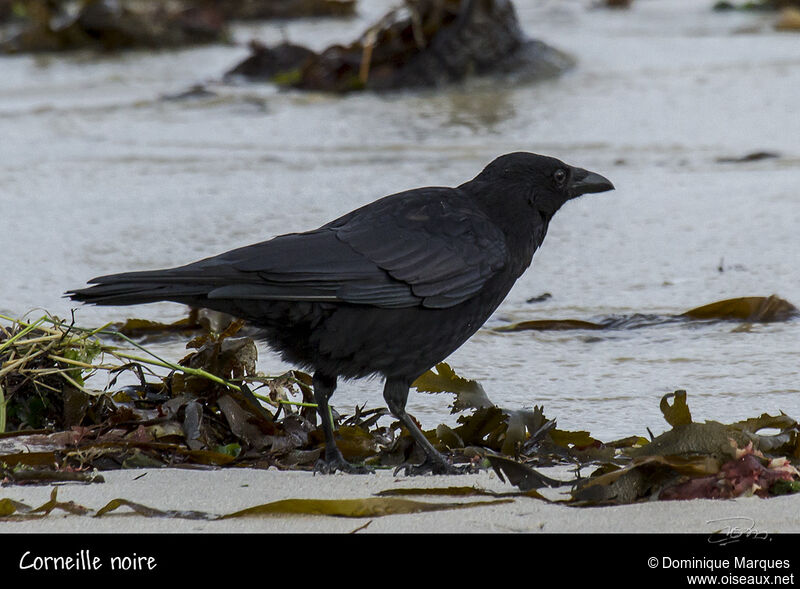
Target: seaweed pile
421,44
213,409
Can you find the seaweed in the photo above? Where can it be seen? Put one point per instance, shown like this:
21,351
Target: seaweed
213,409
742,310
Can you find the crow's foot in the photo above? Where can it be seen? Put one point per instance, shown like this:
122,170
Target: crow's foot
434,466
338,463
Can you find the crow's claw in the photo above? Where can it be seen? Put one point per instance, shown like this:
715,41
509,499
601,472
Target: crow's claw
324,466
430,466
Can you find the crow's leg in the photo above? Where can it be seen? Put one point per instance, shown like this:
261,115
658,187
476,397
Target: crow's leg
395,392
324,386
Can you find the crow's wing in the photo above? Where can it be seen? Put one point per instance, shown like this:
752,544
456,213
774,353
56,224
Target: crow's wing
433,240
426,247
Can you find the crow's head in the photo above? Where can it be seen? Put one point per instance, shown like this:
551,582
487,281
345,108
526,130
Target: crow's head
521,182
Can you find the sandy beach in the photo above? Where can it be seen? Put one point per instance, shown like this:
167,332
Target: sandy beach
673,100
226,491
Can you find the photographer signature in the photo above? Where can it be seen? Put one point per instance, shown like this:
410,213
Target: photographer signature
734,529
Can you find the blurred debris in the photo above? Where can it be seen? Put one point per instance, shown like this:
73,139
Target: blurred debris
789,19
281,9
754,156
7,10
270,63
540,299
195,92
756,5
110,25
424,43
722,267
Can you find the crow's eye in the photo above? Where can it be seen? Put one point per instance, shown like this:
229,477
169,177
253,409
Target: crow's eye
560,176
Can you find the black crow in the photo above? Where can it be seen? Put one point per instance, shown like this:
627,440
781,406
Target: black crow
390,289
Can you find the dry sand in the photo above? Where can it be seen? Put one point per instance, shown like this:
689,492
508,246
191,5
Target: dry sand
226,491
528,537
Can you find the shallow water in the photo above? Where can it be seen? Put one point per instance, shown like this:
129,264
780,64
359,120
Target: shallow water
100,174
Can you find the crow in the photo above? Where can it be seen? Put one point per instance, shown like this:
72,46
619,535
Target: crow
389,289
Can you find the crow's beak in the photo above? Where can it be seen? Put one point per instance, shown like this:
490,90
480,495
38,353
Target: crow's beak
584,181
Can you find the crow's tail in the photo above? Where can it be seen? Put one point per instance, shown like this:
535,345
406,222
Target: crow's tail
133,288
